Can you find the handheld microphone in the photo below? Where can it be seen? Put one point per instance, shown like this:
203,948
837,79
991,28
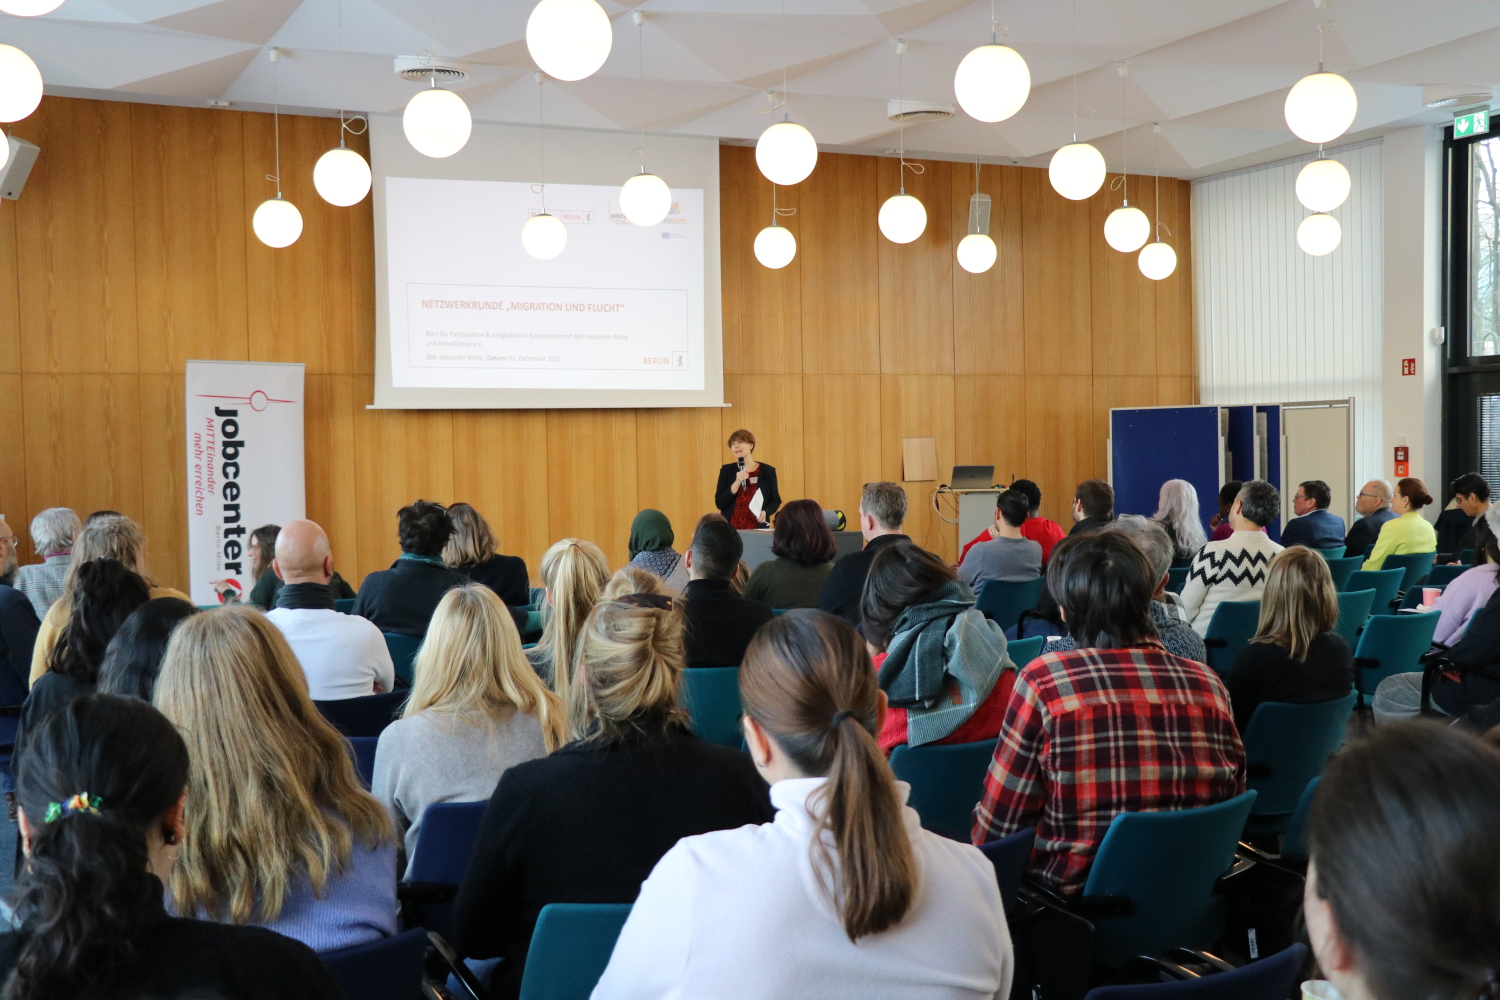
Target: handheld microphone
742,465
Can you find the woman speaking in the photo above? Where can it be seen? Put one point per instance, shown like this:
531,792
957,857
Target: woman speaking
746,495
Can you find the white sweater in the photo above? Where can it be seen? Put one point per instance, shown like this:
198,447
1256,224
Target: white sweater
738,915
343,656
1232,569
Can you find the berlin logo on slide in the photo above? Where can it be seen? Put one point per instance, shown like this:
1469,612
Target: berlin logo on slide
257,400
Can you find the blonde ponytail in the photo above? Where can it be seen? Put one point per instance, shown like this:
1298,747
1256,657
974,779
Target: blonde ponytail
573,571
631,655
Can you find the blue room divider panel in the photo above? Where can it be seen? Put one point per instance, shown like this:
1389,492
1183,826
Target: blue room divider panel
1241,442
1273,458
1149,446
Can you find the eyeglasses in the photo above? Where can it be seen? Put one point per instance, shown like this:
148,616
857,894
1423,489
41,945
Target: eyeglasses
1372,496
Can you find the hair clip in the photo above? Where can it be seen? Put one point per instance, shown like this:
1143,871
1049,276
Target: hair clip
78,803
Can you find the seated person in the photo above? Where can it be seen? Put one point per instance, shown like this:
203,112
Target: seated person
18,629
1093,506
1295,655
473,551
1314,526
132,660
651,538
913,914
1044,531
803,547
1131,747
1177,513
401,599
1468,592
720,623
1408,532
260,549
882,512
1234,568
1373,505
589,822
917,617
1456,527
1009,557
574,571
52,535
1220,521
343,656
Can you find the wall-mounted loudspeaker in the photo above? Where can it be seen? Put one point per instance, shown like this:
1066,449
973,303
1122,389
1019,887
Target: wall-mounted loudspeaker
17,167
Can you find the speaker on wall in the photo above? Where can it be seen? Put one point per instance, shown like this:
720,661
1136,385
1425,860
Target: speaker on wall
17,167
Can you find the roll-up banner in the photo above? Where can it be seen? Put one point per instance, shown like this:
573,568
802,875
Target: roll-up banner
244,467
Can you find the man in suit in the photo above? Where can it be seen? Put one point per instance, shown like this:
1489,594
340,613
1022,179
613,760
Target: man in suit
720,623
1373,505
1314,526
882,512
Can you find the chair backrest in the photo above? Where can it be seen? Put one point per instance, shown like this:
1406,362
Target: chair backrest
1010,855
1391,644
1177,578
1287,745
1294,844
1234,623
345,605
1441,576
1354,611
1416,565
1413,597
1023,651
403,650
712,697
1004,602
1332,552
367,716
570,949
1385,582
1166,864
388,969
445,841
947,780
1272,978
1342,569
363,748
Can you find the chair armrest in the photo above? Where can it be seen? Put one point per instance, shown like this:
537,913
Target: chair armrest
1216,643
450,958
1237,870
1366,663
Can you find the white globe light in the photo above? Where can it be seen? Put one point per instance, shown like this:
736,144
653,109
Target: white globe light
902,218
4,151
437,122
976,253
20,84
992,83
1321,107
1323,185
786,153
342,177
1319,234
29,8
1157,260
1127,229
544,236
1076,171
775,247
277,223
569,39
645,199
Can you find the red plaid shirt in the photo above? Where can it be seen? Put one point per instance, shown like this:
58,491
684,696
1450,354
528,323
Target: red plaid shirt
1091,733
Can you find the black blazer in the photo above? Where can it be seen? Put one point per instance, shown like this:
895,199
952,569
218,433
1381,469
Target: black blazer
403,598
766,474
1478,650
505,575
845,584
720,623
1364,531
18,628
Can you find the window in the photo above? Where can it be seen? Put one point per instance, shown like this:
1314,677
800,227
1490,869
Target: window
1484,248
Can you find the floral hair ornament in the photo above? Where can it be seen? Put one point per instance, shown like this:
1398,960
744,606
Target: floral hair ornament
78,803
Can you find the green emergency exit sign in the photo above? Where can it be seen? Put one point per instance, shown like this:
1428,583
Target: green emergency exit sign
1473,123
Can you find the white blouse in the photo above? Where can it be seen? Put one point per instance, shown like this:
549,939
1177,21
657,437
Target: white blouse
739,915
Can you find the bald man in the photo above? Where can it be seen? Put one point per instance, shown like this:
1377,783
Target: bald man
343,656
1373,505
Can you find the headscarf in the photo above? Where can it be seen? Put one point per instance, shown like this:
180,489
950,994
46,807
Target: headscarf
650,532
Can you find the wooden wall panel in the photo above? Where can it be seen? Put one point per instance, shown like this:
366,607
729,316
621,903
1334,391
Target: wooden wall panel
593,475
919,406
683,450
989,416
916,278
164,492
399,456
500,468
841,439
1176,390
331,403
1060,429
1174,293
988,327
1113,392
837,208
14,505
766,304
10,299
1056,239
1123,305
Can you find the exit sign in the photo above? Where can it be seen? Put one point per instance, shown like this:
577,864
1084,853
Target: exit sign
1473,123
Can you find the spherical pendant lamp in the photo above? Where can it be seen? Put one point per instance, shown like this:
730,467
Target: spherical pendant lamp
20,84
1323,185
277,223
569,39
1319,235
437,122
1321,107
544,236
976,253
786,153
645,199
1127,229
902,218
1076,171
775,246
29,8
4,150
1157,261
342,177
992,83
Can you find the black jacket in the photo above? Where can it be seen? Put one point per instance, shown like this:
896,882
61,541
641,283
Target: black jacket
846,581
1363,532
586,825
1090,523
766,476
1478,650
505,575
720,623
403,598
1263,671
18,628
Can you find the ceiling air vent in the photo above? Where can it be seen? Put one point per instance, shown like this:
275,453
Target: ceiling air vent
422,67
1442,98
908,112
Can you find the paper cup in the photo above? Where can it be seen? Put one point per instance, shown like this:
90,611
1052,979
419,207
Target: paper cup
1430,595
1320,989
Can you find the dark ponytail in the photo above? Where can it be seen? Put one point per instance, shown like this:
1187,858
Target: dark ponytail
87,896
807,680
104,595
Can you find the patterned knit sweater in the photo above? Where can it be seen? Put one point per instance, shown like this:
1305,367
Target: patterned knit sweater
1233,569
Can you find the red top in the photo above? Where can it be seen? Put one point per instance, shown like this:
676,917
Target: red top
741,517
984,724
1044,531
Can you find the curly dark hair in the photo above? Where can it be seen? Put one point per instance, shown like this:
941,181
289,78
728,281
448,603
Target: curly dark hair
104,595
424,528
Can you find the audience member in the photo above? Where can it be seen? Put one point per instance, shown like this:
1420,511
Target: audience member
1177,513
1408,531
1295,655
1457,527
52,535
1009,557
1041,530
1404,837
106,535
651,539
632,580
9,561
100,515
746,494
942,665
1471,590
882,512
803,550
401,599
1220,521
891,910
101,812
1172,628
132,660
279,833
1143,730
573,573
18,629
589,822
720,623
1234,568
1093,506
476,708
740,578
260,551
473,551
342,656
1314,526
1373,505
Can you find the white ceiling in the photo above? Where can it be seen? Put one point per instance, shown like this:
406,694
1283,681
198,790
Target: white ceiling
1214,73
